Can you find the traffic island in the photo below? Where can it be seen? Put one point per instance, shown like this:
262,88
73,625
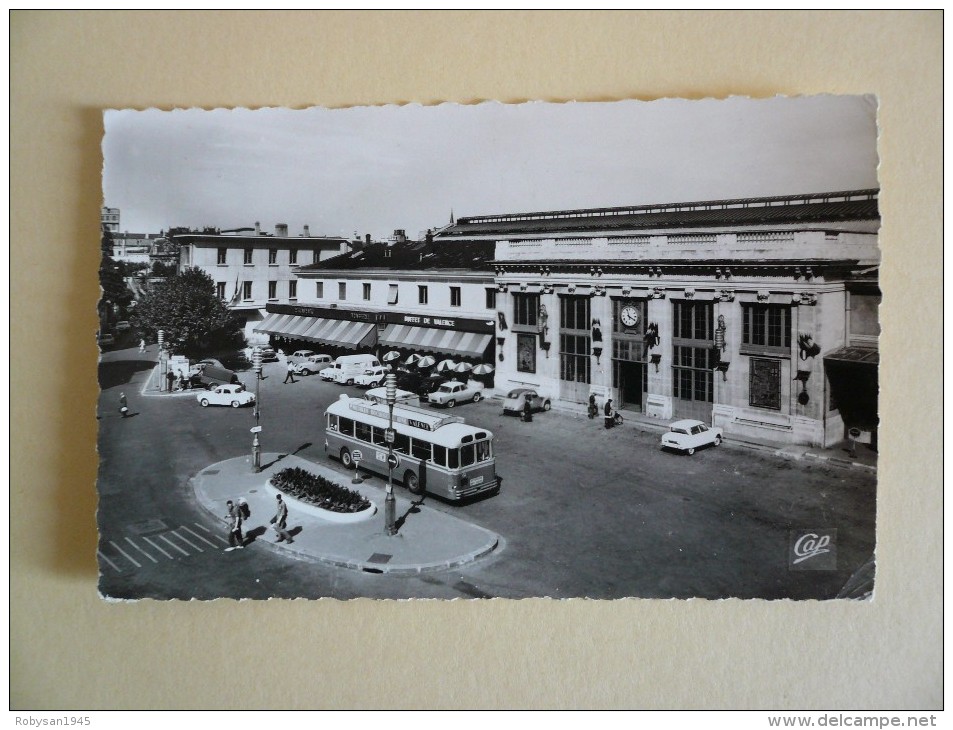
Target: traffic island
426,540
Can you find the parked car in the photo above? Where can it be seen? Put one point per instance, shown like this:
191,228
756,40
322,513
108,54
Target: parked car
409,381
209,376
372,377
453,392
105,339
688,435
226,395
516,399
347,367
402,397
268,354
312,364
301,355
123,326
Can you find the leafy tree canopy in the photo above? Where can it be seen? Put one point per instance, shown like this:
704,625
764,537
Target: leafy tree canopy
187,308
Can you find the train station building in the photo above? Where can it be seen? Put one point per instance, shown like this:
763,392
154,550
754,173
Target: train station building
756,315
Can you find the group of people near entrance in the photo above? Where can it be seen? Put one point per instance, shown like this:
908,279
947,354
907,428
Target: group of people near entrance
237,515
610,417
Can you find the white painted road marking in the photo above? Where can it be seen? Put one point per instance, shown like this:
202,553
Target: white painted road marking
158,548
215,535
163,537
115,567
124,554
141,550
207,542
173,532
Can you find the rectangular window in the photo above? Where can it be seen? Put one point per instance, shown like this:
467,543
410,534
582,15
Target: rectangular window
402,443
377,436
440,455
272,289
293,256
574,314
272,256
319,289
454,296
342,290
766,328
222,255
483,450
366,292
526,353
467,455
574,360
420,449
525,309
292,289
764,383
246,290
453,458
316,257
392,294
220,289
347,426
421,295
248,255
491,298
362,431
693,355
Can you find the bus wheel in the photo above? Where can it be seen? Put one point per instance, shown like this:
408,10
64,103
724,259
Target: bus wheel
346,458
412,483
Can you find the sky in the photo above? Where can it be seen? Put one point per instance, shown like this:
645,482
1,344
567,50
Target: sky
376,169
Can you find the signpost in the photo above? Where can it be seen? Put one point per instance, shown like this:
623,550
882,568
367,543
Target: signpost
256,444
393,461
357,456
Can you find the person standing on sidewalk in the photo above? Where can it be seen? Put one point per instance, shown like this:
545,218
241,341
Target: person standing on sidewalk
607,412
233,519
280,521
142,345
593,408
170,381
291,372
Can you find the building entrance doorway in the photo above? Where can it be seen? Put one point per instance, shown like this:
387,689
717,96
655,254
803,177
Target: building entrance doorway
633,383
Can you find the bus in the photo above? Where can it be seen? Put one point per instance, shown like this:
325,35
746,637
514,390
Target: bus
438,454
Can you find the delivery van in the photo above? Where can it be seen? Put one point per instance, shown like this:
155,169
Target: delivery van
346,368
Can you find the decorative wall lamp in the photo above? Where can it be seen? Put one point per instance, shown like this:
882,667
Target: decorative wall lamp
656,358
722,367
808,348
720,331
803,375
544,346
500,341
597,351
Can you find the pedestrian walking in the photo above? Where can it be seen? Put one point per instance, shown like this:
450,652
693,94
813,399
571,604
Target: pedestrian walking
593,408
142,345
291,372
123,409
233,519
280,521
607,412
183,381
527,411
170,381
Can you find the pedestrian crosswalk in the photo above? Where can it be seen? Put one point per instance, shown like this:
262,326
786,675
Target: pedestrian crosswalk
131,553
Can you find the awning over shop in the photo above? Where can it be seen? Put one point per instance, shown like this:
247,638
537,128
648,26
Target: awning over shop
855,355
452,342
276,324
340,332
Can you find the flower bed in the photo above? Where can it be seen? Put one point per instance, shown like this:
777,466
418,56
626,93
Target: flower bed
314,489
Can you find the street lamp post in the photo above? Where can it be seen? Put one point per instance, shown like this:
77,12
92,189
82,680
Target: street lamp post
161,338
256,444
390,504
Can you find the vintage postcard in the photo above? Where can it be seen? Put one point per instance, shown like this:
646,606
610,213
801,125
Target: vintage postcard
582,350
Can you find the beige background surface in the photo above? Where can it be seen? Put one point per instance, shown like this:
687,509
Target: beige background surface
69,649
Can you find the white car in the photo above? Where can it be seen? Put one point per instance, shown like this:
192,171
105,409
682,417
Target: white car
299,355
372,377
312,364
688,435
327,373
226,395
453,392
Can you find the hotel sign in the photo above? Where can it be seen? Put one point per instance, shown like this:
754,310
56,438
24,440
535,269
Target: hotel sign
464,324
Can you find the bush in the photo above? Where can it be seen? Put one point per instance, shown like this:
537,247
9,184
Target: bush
316,490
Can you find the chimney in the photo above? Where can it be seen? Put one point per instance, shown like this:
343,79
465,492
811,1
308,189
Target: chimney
367,238
257,228
281,229
307,231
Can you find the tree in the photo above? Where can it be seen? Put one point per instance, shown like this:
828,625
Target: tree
187,308
115,291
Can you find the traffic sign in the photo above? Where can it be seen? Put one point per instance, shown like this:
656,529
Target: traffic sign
389,435
357,455
393,461
255,429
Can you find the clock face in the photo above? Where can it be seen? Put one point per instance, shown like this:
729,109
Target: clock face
629,315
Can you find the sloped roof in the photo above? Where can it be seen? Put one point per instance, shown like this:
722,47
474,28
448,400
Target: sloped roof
853,206
414,256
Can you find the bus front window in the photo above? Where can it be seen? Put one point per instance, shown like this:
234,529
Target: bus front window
453,458
467,455
483,450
